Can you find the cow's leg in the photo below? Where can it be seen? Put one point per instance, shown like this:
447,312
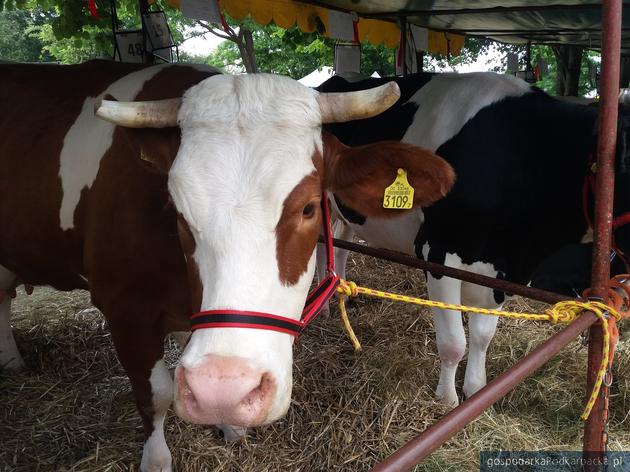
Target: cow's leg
10,357
449,335
320,259
140,350
345,232
340,230
481,329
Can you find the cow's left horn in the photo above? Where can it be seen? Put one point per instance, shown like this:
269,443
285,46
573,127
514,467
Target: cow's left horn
153,114
338,107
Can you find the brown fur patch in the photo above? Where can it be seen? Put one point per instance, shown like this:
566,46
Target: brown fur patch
125,237
296,233
360,175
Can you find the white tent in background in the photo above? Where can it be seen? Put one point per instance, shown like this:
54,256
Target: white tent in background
316,77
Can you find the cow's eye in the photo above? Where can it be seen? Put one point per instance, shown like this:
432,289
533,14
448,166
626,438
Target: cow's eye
308,211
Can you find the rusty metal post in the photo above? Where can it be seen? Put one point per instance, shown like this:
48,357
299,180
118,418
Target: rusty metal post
449,425
594,429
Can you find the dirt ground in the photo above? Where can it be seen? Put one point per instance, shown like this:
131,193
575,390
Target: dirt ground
73,410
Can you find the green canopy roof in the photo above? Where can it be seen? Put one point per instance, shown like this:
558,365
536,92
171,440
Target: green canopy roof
558,22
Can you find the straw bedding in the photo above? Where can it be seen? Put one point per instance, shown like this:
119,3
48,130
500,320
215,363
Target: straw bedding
73,408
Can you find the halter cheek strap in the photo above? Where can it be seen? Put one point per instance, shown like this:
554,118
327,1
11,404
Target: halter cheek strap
315,301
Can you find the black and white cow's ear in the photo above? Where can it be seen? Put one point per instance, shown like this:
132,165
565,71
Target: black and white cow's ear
359,176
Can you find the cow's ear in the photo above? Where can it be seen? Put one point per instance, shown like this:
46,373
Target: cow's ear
156,148
359,176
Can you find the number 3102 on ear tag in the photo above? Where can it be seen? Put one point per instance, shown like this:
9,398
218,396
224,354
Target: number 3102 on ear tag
399,195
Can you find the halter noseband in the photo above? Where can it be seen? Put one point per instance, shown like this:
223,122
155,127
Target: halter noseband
315,301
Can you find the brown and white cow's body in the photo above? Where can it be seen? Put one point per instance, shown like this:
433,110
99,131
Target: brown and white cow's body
220,212
77,212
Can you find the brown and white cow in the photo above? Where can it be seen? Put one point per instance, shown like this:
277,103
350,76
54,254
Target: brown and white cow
208,201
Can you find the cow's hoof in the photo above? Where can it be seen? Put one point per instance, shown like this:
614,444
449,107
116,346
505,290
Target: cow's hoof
233,434
448,397
470,387
156,457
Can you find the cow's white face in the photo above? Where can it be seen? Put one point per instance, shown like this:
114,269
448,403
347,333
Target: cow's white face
248,142
246,180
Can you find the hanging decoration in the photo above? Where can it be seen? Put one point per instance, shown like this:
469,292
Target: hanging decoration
287,13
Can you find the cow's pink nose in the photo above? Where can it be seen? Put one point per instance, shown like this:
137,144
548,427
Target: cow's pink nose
224,390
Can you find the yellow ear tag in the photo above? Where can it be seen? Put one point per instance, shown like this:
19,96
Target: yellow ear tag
399,195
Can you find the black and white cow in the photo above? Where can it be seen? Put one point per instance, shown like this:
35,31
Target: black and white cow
515,212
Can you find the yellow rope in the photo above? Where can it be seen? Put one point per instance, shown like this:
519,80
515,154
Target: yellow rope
562,312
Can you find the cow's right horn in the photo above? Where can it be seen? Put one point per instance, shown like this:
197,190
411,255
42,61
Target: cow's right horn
338,107
151,114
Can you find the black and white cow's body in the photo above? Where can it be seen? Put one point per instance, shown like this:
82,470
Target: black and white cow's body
520,159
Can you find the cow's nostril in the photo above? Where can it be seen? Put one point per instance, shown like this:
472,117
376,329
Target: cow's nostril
258,394
184,388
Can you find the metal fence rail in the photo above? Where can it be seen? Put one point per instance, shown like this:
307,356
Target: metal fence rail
467,276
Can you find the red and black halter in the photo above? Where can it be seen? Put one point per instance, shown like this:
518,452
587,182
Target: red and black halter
315,301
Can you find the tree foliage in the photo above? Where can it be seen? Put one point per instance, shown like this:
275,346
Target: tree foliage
20,35
288,52
292,52
65,31
70,34
549,83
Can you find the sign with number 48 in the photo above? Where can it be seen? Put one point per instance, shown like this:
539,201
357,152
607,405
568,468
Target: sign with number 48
129,46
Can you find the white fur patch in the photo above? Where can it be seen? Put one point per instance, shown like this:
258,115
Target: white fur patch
448,101
156,456
398,233
471,294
